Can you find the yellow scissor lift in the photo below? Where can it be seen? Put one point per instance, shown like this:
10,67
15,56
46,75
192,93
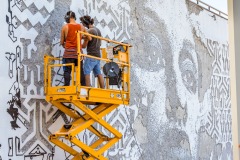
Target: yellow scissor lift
104,100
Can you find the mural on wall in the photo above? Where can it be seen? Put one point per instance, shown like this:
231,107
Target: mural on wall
36,35
14,60
219,123
117,26
23,93
180,98
14,147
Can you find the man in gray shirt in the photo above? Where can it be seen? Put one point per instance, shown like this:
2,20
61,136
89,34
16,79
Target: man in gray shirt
93,49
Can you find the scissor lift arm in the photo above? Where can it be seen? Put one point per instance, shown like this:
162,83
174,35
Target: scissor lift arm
104,101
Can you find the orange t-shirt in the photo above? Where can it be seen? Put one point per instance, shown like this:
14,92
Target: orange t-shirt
71,41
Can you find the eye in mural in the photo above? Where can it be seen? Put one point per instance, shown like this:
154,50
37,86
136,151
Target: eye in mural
151,56
154,49
188,68
183,108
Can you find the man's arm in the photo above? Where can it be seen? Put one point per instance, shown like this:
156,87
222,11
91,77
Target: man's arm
86,38
63,35
85,42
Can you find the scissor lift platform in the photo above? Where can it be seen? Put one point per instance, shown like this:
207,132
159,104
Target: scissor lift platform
102,101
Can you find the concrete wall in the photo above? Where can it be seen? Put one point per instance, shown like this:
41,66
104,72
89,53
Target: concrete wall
180,99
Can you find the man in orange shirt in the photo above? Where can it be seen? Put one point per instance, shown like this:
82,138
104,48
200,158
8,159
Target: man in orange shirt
69,42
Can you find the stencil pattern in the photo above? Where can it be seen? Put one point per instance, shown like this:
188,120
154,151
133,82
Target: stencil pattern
219,120
22,108
118,27
29,83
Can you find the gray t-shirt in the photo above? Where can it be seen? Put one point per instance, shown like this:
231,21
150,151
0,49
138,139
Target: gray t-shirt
93,47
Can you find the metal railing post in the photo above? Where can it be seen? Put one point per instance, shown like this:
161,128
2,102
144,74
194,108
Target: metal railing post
78,73
208,7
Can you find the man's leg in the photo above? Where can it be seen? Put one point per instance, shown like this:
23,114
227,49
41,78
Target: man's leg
101,80
67,72
83,81
87,80
82,77
87,68
97,72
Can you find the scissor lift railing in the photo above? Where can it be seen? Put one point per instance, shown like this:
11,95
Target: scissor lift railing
104,100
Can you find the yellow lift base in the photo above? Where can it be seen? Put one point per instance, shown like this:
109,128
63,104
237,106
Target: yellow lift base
103,100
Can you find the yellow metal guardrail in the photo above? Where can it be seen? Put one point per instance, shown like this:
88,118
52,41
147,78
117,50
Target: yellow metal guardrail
75,90
104,101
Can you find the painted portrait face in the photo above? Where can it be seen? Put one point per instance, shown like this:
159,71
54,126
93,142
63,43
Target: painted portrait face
166,71
179,84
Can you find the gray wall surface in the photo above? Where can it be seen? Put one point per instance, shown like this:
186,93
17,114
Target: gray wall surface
180,91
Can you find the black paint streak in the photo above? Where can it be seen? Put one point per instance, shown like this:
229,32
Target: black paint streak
51,155
10,147
0,148
17,147
59,81
14,59
15,103
59,113
9,21
36,153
